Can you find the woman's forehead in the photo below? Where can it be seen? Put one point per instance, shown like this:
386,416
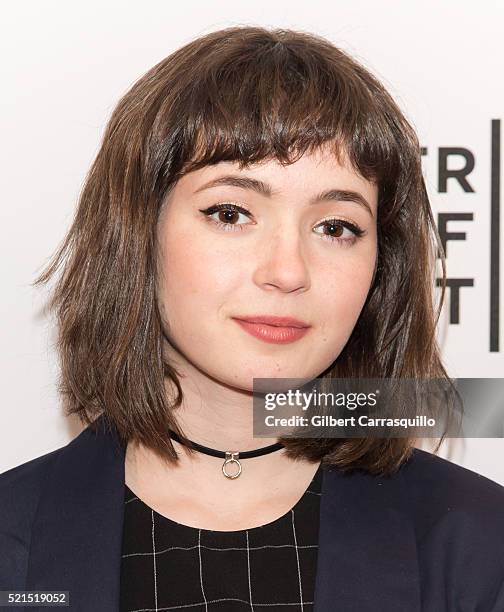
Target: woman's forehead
270,177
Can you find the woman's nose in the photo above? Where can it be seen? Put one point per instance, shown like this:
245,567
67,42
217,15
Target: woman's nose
281,262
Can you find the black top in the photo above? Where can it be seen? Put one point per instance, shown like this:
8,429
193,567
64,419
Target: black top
167,565
427,538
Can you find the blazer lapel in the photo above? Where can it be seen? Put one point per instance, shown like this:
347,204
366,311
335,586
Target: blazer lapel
77,531
367,558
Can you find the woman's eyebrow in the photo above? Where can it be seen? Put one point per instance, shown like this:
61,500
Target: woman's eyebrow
264,189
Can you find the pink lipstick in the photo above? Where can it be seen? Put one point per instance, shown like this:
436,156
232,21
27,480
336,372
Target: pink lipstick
276,330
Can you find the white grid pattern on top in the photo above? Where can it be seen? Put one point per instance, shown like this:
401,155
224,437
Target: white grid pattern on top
164,530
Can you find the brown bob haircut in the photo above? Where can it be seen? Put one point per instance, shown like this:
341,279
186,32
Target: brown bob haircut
242,94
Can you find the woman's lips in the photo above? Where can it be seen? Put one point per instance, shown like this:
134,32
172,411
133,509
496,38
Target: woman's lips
273,333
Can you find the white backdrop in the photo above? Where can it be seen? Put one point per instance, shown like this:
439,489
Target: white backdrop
64,67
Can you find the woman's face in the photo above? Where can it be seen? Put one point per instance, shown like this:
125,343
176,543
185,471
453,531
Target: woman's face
275,249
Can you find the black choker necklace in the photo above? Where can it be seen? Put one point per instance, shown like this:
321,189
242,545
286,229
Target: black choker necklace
229,456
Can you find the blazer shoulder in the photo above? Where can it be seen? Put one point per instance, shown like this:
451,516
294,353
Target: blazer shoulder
22,483
444,497
20,486
448,482
20,489
24,478
458,518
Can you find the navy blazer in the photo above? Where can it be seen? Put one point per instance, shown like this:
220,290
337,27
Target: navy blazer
429,538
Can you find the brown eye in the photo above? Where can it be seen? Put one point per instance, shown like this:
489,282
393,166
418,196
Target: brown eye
228,216
334,229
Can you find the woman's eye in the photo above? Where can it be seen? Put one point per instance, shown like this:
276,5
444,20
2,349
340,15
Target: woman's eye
228,216
336,231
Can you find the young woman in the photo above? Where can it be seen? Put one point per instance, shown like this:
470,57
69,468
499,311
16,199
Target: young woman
253,182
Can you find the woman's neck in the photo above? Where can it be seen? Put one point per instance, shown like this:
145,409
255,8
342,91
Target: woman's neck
195,491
